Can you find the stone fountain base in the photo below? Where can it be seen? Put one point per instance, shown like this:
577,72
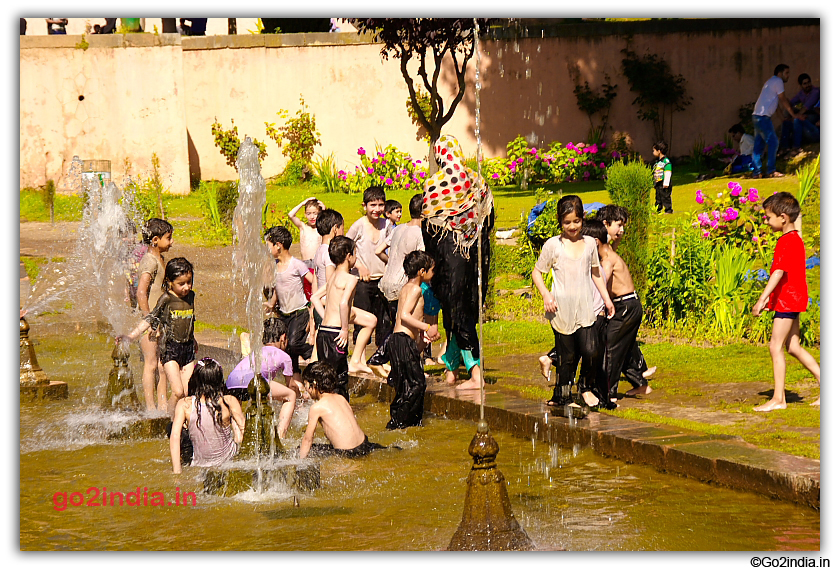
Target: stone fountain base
229,482
145,428
54,390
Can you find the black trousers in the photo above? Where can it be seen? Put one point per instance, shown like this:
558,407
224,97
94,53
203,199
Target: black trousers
634,366
408,381
570,348
369,298
296,323
621,336
329,352
663,198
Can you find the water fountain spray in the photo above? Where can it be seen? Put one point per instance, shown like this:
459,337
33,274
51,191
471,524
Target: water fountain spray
488,522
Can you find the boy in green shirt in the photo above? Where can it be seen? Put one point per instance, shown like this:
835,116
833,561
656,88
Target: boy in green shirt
662,178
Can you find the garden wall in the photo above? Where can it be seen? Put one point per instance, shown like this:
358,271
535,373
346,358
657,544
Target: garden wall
146,93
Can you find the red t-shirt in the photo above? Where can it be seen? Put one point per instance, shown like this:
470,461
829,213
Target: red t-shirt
791,294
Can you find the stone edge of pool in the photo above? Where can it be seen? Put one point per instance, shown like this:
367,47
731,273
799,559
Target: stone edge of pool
721,459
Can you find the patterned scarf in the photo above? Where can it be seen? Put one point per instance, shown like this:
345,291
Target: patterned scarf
455,198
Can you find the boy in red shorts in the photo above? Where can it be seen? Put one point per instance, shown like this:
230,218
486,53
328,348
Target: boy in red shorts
786,293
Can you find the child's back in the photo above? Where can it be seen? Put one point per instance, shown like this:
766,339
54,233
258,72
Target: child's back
339,422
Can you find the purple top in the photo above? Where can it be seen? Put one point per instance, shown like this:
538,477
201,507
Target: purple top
808,100
275,362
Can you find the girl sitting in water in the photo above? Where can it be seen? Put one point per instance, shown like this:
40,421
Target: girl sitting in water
215,421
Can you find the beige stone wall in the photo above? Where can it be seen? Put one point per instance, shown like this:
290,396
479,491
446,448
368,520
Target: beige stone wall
146,93
122,98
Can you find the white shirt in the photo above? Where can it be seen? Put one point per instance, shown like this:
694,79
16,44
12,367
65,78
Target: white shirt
404,240
768,99
572,288
747,144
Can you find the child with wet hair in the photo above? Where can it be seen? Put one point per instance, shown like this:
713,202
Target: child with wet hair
289,298
406,376
572,258
157,236
786,293
309,238
215,421
335,415
173,319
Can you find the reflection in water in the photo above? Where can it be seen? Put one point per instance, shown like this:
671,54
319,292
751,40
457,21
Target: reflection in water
409,499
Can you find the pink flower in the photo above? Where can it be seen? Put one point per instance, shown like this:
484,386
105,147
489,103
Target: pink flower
572,160
370,170
602,165
520,160
375,161
533,151
390,181
716,215
421,174
341,172
403,172
384,161
706,233
704,220
699,198
742,199
495,176
730,214
614,154
603,145
752,195
382,178
755,239
361,151
408,185
714,224
379,154
586,174
570,146
418,162
734,185
415,180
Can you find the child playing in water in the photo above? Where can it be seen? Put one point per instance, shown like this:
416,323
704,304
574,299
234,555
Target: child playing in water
786,293
369,233
573,259
338,313
334,414
215,421
405,239
329,224
309,238
157,235
406,374
635,367
276,368
292,306
173,319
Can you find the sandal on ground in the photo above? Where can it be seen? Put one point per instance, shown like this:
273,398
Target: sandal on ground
554,404
776,175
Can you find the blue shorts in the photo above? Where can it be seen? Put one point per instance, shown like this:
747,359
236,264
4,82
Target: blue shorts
781,315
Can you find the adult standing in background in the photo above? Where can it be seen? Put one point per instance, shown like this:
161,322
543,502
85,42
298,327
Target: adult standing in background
804,101
772,94
56,26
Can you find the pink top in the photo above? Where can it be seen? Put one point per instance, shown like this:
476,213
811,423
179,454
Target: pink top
212,443
289,286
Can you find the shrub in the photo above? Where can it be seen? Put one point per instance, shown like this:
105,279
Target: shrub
629,185
228,142
302,137
326,173
389,168
734,218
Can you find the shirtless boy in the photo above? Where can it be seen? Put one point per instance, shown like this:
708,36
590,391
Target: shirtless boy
406,376
334,414
338,313
624,326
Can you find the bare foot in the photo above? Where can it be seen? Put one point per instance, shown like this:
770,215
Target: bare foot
450,377
545,366
430,362
353,367
770,405
590,399
640,391
817,403
379,370
471,384
387,367
649,372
